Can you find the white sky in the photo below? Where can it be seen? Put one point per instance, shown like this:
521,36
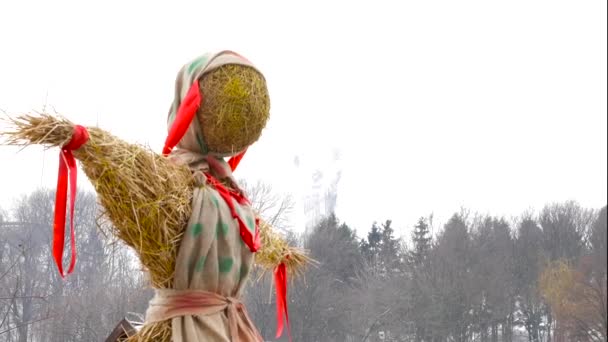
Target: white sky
434,105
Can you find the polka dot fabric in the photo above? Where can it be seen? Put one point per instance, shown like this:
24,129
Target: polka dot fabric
212,258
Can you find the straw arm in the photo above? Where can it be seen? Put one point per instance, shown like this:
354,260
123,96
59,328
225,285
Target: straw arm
146,196
275,250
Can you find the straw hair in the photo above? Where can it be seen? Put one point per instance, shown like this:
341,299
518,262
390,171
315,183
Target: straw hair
235,108
147,197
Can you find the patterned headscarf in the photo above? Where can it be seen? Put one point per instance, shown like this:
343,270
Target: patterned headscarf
186,141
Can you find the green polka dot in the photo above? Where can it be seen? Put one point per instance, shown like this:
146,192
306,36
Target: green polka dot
198,62
200,264
197,229
215,200
251,223
222,229
225,264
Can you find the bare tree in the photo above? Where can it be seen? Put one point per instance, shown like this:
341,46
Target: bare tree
274,208
270,205
82,307
565,227
599,244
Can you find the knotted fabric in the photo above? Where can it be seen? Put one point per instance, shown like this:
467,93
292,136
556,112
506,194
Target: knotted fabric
168,304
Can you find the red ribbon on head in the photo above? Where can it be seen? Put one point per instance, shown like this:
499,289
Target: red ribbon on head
234,161
184,116
280,280
67,172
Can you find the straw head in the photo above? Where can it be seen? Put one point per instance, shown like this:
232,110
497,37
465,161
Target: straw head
235,108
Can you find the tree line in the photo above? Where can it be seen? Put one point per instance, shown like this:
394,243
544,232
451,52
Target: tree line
539,277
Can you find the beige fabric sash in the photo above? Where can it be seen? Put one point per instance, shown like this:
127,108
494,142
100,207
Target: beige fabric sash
168,304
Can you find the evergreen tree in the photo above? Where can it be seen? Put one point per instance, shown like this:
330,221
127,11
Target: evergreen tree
422,242
389,249
371,248
418,294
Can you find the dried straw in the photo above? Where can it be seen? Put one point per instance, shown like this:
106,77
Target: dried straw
155,332
275,250
146,197
235,108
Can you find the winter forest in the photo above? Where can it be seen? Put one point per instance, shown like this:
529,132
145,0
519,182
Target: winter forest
538,277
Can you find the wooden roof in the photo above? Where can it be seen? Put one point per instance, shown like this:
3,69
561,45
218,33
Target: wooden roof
123,329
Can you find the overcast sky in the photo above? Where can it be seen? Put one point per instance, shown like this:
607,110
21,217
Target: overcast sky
433,105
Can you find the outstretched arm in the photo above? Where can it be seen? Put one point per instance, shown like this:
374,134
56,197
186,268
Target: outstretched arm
275,250
145,195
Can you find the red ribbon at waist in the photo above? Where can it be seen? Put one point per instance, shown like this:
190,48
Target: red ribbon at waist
67,172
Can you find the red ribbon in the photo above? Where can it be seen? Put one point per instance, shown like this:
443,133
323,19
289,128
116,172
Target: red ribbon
67,171
234,161
250,239
280,280
185,113
183,118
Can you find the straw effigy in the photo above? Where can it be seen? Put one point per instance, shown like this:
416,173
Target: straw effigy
148,197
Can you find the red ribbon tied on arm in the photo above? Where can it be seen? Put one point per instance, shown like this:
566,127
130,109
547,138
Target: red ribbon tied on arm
67,172
280,279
